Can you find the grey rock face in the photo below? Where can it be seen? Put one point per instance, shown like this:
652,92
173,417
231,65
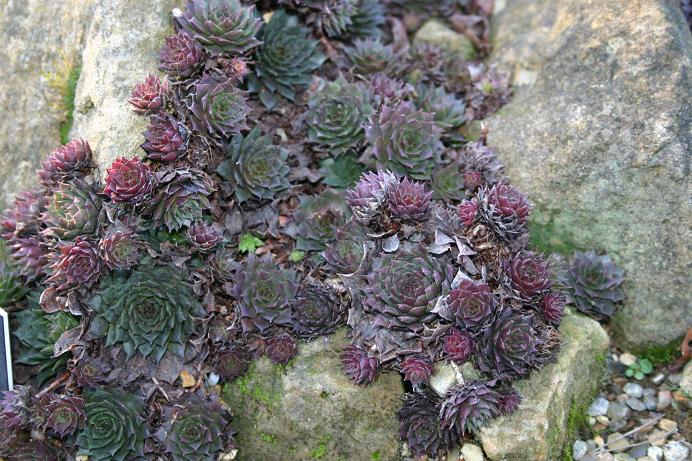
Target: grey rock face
598,134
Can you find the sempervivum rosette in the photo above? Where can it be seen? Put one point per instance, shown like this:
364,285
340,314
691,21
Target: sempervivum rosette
181,197
552,306
358,365
30,257
316,220
222,26
409,200
166,139
115,429
404,140
79,264
195,430
403,288
416,369
255,166
286,59
120,250
420,428
337,117
223,264
281,348
24,215
149,311
316,311
510,347
469,406
367,19
449,111
11,287
471,305
149,95
204,237
481,167
528,273
218,108
369,194
180,55
64,414
128,181
72,159
232,364
595,284
72,210
265,293
371,56
347,252
468,211
505,209
457,346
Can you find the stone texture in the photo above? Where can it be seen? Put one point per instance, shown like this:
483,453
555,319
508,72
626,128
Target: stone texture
310,410
122,48
38,38
537,430
598,134
686,382
437,33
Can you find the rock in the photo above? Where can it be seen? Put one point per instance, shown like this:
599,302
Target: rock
438,33
617,412
665,398
472,452
537,431
624,457
686,381
668,425
602,130
655,453
650,402
644,458
635,404
616,442
638,451
675,451
443,378
599,407
634,390
579,449
41,45
658,379
310,410
657,437
603,420
627,359
121,49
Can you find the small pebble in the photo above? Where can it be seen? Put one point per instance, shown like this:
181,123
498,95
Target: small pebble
675,379
650,402
616,442
472,452
657,437
635,404
627,359
579,449
675,451
668,425
591,420
638,450
592,445
599,407
658,379
624,457
644,458
599,440
665,398
649,391
634,390
655,453
603,420
617,411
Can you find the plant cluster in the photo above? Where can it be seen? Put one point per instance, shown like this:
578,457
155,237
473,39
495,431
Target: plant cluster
230,236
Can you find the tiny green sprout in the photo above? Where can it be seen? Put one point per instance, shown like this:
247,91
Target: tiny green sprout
639,369
296,256
249,243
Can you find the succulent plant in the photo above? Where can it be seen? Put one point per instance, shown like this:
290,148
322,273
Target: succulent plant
471,305
337,117
255,167
29,257
340,172
369,194
73,210
469,406
448,183
489,91
128,181
79,264
224,264
510,346
359,366
149,311
552,306
218,108
419,426
367,20
403,288
457,346
181,198
90,371
387,90
404,140
330,17
281,348
316,219
595,284
25,213
509,402
12,289
286,59
408,200
220,26
416,369
481,167
468,211
509,202
232,364
204,237
370,56
265,293
68,161
449,111
115,429
194,430
180,56
166,139
347,252
528,273
64,414
37,332
149,96
316,312
120,250
15,408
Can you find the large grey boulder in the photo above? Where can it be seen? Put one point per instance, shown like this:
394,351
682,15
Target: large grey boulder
39,39
599,134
